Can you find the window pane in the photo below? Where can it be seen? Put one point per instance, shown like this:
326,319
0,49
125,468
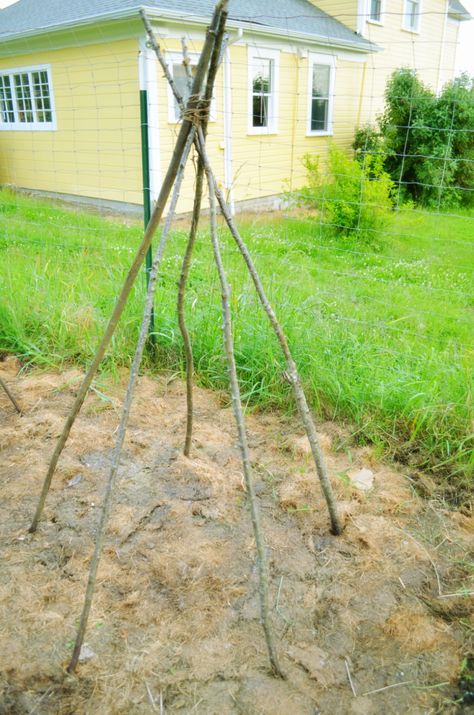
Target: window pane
181,80
23,98
319,115
321,74
412,14
260,110
41,96
6,101
376,10
262,76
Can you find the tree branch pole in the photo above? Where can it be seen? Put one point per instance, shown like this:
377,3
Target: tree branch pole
243,443
166,188
10,396
122,429
292,370
186,265
182,284
295,380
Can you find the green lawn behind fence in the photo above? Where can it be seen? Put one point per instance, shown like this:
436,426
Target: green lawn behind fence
382,331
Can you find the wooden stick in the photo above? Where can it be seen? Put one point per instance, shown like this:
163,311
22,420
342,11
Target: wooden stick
128,402
166,188
183,279
387,687
185,268
234,385
239,418
349,676
112,478
10,396
292,371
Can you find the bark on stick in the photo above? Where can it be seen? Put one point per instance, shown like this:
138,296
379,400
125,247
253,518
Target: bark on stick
243,443
292,371
10,396
186,265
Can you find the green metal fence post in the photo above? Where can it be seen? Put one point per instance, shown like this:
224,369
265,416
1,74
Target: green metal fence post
147,196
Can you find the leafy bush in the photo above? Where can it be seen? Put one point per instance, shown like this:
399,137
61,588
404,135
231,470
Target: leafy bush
367,141
352,198
428,140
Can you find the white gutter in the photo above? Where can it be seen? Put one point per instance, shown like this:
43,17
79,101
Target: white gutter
361,17
228,156
154,13
442,48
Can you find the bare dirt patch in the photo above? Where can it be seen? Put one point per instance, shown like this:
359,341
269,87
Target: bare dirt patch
175,622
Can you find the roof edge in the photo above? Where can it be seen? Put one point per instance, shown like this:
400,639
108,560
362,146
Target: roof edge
154,13
459,12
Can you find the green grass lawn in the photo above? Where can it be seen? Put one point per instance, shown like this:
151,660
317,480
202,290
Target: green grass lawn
382,332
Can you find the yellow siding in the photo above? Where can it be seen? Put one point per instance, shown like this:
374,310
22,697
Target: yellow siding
448,61
95,151
344,10
265,165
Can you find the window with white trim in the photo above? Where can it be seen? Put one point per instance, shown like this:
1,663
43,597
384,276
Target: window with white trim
321,94
411,15
26,99
375,11
180,77
263,91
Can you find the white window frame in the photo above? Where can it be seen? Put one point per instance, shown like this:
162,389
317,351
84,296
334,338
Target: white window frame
372,20
405,26
176,58
330,61
35,126
254,55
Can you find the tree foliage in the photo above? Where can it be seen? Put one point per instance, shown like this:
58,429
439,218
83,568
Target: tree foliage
426,140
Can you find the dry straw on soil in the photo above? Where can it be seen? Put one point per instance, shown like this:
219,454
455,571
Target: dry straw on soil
176,615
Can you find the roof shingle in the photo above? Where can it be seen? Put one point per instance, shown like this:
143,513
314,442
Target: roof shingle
289,16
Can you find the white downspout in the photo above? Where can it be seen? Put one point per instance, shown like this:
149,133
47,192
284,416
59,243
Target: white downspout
442,49
362,11
228,156
148,73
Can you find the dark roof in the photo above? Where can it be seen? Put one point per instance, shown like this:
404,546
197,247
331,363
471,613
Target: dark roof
292,17
457,10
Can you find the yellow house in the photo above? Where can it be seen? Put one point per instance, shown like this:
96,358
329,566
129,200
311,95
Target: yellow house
292,75
420,34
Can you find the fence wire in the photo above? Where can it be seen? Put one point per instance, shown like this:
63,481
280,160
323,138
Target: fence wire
380,313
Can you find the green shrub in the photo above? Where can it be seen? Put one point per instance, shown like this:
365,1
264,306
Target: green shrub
354,198
428,140
368,141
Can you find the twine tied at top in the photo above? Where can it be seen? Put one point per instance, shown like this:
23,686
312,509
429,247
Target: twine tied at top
199,112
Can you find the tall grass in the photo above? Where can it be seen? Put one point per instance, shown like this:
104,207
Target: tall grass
382,333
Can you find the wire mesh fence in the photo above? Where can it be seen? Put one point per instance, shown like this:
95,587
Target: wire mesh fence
368,261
